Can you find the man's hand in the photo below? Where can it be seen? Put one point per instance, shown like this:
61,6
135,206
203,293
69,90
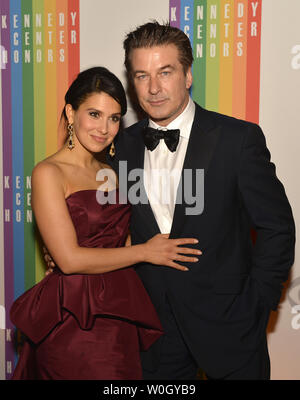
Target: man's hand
50,263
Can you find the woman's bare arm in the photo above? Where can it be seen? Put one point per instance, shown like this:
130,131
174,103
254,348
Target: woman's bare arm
59,235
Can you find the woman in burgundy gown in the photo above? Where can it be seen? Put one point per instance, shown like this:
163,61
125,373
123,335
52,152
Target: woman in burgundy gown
90,317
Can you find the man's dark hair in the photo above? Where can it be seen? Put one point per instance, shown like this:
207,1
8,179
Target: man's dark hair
156,34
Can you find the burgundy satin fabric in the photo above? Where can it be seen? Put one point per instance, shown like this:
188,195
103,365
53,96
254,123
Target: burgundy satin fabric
87,326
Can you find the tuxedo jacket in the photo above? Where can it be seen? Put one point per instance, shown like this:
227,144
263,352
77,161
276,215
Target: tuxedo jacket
222,303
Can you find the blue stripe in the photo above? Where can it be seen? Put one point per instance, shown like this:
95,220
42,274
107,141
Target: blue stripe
17,145
187,18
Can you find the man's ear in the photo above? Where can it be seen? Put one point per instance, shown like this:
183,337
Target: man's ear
189,78
69,113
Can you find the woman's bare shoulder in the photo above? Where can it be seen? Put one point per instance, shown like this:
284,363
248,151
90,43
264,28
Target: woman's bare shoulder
48,171
47,166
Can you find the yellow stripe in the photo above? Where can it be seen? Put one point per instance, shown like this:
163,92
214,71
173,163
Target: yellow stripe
226,56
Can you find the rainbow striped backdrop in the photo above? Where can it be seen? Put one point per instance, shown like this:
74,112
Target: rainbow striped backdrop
225,35
39,57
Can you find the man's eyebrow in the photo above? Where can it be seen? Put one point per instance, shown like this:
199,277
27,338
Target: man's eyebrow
139,71
167,66
160,69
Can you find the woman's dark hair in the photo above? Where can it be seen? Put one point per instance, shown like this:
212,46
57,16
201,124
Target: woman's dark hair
95,80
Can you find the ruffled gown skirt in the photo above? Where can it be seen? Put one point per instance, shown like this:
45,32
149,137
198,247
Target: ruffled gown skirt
87,326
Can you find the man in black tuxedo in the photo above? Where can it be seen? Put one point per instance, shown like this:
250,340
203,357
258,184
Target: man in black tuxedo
215,315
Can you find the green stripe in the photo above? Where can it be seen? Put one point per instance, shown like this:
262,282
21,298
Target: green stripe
212,63
28,144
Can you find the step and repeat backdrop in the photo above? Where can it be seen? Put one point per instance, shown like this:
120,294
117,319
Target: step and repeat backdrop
247,65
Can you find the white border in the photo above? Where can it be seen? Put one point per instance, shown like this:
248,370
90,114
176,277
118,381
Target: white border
2,298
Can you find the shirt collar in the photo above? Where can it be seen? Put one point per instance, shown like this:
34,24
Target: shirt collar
183,122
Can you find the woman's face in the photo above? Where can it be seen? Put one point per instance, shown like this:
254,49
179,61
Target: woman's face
96,122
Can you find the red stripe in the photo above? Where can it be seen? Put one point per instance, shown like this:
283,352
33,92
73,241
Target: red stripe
73,33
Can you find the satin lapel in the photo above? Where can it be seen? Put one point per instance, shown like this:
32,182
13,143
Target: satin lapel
135,149
202,143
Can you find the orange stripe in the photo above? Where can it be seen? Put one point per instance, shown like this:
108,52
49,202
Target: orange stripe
240,60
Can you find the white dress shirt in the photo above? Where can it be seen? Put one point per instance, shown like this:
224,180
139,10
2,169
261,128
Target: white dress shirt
162,169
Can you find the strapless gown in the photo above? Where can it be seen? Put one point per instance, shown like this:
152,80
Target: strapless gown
87,326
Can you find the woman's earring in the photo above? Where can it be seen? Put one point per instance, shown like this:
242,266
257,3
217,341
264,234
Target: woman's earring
112,150
71,144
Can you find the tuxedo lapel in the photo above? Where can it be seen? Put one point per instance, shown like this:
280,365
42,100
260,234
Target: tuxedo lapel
135,158
202,143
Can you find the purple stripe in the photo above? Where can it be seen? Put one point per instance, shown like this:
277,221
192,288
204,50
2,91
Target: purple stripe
7,192
174,13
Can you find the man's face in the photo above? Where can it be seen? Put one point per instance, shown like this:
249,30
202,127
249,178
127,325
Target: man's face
160,82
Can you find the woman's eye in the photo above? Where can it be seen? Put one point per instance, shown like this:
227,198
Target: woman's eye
94,114
115,118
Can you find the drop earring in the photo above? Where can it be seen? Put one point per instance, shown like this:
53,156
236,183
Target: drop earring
71,144
112,150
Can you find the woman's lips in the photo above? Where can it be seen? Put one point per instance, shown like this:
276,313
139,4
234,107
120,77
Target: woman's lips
99,139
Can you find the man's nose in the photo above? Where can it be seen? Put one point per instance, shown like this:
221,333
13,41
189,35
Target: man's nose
154,85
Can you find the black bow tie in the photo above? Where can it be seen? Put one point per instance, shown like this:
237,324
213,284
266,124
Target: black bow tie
152,137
